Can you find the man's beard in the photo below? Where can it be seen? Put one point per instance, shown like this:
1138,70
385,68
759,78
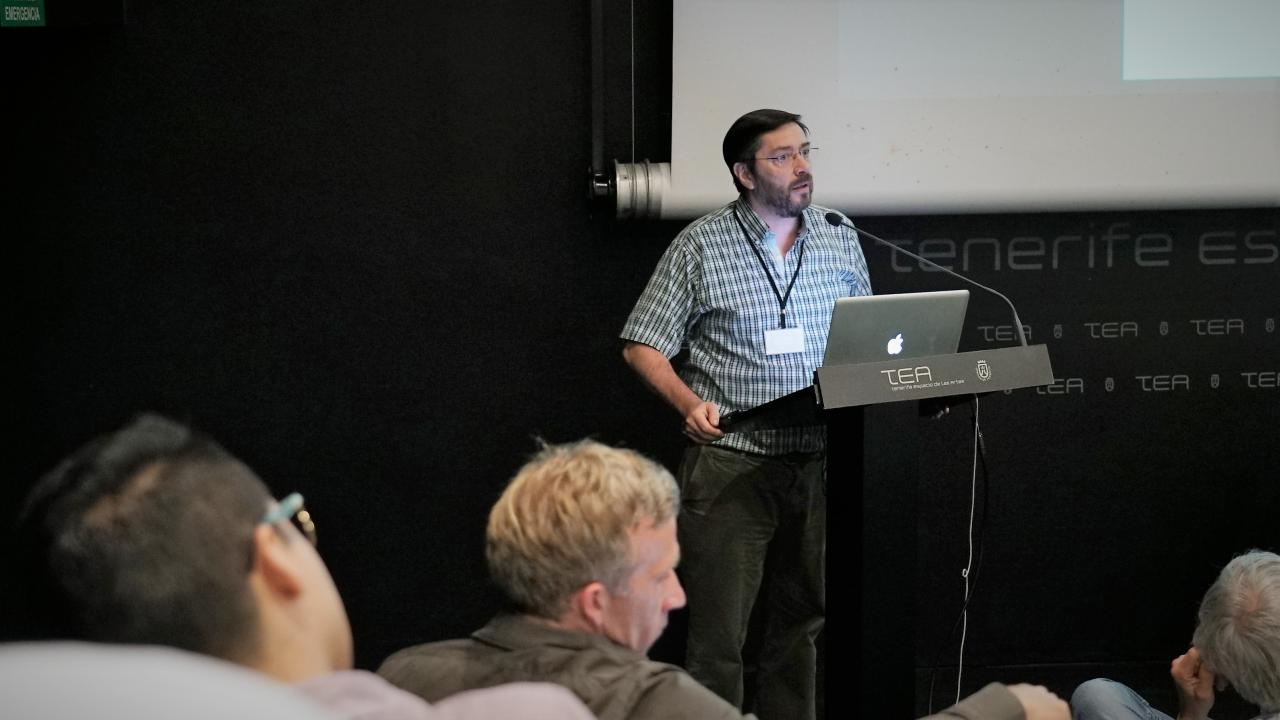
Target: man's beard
778,199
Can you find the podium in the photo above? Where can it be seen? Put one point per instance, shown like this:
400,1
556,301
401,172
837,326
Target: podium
935,376
872,412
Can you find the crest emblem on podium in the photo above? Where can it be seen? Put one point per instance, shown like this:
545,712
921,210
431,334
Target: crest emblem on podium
984,371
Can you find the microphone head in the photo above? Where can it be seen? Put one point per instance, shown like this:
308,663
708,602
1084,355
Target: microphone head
834,218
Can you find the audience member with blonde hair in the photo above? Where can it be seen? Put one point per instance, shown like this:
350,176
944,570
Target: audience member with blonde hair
583,544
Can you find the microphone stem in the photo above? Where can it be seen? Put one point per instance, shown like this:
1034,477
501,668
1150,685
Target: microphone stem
1017,322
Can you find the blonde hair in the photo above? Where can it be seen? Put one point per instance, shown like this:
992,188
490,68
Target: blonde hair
564,522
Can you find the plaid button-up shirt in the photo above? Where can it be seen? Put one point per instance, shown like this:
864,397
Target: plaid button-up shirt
710,294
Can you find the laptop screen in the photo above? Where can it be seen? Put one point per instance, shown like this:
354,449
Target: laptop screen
872,328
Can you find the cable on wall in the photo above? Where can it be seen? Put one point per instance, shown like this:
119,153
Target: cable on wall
973,566
968,568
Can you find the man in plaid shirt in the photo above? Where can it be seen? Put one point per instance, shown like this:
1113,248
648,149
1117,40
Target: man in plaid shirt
748,291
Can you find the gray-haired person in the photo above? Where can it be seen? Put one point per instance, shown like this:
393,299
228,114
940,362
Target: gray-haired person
1236,642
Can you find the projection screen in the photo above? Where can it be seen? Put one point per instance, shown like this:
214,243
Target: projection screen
960,106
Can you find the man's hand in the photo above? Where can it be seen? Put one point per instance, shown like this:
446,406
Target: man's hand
1195,682
701,422
1040,704
701,418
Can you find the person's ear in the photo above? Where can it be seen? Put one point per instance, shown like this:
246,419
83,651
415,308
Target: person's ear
590,604
274,564
745,177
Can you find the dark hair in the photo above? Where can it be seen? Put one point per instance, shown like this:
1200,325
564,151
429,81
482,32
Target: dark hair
144,536
742,141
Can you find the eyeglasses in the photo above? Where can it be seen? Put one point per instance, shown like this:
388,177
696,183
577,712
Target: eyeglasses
787,158
292,508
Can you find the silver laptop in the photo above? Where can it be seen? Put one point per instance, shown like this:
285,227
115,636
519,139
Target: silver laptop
872,328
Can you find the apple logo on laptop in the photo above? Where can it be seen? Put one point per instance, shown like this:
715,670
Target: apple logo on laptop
895,345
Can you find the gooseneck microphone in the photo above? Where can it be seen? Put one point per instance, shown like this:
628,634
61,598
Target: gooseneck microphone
838,220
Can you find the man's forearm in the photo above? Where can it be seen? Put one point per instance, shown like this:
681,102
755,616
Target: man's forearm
657,372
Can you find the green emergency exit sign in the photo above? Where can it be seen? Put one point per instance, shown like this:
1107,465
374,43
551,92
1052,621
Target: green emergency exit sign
21,13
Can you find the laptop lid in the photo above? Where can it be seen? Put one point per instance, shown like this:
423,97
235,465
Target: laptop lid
871,328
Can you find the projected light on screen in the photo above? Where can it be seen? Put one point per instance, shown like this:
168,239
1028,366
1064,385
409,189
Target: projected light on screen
1190,39
940,106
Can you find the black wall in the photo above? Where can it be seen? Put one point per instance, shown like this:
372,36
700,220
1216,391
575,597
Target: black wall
352,242
1112,497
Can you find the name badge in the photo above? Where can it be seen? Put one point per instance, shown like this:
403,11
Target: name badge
783,341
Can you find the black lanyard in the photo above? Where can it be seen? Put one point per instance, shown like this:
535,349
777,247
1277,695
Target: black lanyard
782,298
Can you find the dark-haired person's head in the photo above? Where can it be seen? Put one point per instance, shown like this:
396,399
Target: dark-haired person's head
742,141
767,153
154,534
